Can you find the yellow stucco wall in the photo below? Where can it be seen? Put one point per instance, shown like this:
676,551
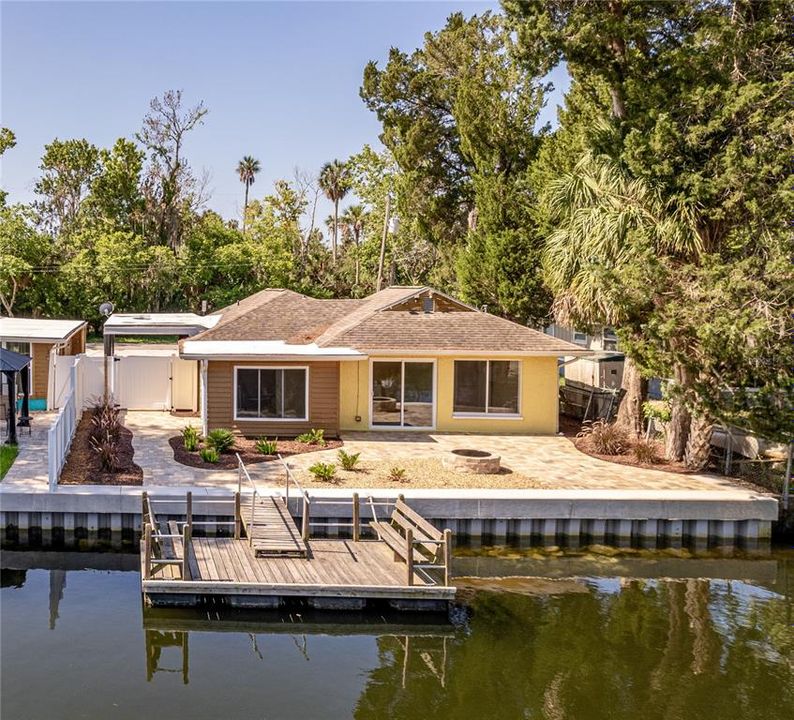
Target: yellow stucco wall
538,406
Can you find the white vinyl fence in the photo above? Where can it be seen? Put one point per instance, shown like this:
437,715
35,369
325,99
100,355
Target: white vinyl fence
61,432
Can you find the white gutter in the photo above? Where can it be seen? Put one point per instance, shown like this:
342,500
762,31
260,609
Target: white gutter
479,353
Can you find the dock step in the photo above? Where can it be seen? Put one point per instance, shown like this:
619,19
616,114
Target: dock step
274,532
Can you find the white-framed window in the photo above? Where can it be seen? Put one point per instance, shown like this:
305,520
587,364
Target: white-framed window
487,387
579,338
271,393
609,339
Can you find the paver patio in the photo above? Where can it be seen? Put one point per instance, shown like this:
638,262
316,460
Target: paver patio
29,471
551,460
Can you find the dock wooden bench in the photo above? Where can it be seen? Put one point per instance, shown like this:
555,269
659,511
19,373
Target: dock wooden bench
415,541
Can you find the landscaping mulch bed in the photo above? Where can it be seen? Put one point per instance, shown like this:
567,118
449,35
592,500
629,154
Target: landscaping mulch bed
82,464
246,448
585,445
419,473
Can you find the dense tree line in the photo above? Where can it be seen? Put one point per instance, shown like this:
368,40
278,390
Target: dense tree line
660,204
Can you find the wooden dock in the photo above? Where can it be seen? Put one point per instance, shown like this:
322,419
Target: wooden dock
267,561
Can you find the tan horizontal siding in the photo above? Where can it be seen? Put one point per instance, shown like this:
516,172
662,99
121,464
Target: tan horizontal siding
323,400
40,364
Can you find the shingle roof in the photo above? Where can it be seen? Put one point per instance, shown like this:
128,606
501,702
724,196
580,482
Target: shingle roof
471,331
278,315
381,321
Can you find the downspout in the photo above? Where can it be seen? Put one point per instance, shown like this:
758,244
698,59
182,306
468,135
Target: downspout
204,420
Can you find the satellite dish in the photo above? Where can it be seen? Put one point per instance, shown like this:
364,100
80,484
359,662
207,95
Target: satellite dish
106,308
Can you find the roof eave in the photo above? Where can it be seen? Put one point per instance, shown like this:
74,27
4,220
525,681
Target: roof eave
429,352
272,357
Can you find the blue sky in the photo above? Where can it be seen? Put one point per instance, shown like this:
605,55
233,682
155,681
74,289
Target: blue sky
280,79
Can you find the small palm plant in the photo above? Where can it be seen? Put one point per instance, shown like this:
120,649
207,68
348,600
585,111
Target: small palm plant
347,460
266,447
190,438
398,474
324,472
220,439
313,437
209,454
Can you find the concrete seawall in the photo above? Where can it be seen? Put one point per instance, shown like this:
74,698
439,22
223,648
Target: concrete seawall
641,518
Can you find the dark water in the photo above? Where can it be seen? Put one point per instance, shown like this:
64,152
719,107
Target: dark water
76,643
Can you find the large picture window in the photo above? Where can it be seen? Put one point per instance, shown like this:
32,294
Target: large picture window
486,387
271,393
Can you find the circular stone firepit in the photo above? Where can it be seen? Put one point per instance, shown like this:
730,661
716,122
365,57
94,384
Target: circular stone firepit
477,462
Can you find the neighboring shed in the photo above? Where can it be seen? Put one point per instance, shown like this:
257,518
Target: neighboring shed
42,339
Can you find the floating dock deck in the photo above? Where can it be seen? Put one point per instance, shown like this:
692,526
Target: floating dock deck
267,562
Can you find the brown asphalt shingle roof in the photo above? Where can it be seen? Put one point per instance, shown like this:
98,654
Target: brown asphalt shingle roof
461,331
368,324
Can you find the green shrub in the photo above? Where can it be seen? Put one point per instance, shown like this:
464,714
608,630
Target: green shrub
607,439
190,438
209,454
266,447
657,409
313,437
398,474
347,460
221,439
325,472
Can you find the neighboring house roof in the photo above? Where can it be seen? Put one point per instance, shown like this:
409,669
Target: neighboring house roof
33,330
392,320
158,323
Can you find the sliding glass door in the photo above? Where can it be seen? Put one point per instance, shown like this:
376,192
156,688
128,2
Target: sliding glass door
403,394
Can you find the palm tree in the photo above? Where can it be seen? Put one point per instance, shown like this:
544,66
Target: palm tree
247,169
334,181
353,220
606,224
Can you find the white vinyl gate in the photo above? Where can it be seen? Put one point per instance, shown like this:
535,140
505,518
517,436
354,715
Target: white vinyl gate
142,382
136,382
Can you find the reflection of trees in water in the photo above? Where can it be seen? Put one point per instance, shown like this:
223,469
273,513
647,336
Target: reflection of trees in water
12,578
655,649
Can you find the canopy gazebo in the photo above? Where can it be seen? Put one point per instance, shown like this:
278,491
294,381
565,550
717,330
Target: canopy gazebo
11,364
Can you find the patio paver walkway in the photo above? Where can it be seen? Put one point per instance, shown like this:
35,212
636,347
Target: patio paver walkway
551,460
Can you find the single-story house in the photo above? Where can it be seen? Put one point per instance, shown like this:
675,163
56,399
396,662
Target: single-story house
279,363
42,339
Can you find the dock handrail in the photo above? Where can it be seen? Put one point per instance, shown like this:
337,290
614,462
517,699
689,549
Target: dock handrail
291,479
242,471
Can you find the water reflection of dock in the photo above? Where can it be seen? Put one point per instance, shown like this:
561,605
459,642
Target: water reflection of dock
421,644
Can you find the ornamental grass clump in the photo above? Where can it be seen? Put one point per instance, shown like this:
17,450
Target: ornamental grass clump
645,452
105,434
347,460
607,439
220,439
105,421
266,447
190,438
324,472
